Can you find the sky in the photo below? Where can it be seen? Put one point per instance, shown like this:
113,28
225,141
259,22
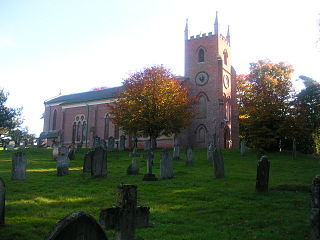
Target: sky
52,47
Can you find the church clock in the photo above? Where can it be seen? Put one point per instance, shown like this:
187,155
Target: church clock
226,81
202,78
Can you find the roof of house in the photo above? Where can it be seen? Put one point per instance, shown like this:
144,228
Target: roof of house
89,96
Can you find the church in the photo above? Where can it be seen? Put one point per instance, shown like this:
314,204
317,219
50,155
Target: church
79,117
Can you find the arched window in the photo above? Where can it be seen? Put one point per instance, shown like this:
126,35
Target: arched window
84,130
227,114
201,134
202,107
106,126
227,137
74,131
54,120
79,128
201,55
225,57
79,131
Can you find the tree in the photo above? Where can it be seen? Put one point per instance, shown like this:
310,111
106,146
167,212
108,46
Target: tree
9,117
151,103
264,97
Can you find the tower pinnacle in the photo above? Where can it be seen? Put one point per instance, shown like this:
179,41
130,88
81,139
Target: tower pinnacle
216,25
186,31
228,34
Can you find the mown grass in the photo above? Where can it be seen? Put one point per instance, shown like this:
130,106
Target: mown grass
191,206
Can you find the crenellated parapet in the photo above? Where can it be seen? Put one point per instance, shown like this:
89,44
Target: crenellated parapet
209,35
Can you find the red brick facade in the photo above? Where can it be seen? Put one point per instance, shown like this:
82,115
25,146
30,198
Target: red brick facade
208,72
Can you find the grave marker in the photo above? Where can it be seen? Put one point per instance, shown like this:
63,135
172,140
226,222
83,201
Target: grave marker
87,161
122,142
96,142
133,169
111,144
127,216
19,166
242,147
176,152
99,163
262,180
218,162
71,152
149,176
166,169
63,162
189,156
78,225
210,152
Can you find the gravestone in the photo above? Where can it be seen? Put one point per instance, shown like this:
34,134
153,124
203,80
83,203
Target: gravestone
149,176
99,162
122,142
133,169
96,142
103,144
210,152
176,152
71,152
127,216
87,162
294,149
218,162
78,225
63,162
315,209
55,151
166,169
147,145
262,180
19,166
2,201
189,156
111,144
261,152
242,147
11,145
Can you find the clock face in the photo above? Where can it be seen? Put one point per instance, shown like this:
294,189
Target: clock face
202,78
226,81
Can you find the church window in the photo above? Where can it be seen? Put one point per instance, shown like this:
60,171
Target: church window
54,120
225,57
78,131
201,134
201,55
74,131
202,106
84,130
79,128
106,126
227,109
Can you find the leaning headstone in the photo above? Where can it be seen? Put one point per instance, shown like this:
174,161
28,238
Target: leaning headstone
63,162
315,209
262,180
99,163
242,147
127,216
149,176
189,156
71,152
166,169
133,169
2,201
19,166
147,145
218,163
78,225
176,152
210,152
111,142
11,145
87,162
122,143
294,149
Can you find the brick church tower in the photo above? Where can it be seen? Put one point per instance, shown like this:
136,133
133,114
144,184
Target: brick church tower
212,80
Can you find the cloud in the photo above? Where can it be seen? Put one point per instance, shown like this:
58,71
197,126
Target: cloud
6,43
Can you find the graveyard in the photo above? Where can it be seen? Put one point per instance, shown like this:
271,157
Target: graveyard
194,204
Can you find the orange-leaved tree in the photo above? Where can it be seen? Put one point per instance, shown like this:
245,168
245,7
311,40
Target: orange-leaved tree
151,103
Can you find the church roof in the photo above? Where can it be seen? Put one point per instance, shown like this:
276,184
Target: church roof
89,96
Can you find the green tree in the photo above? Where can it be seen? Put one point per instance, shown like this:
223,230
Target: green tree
9,117
265,107
151,103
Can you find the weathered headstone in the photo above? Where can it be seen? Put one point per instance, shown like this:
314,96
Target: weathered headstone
19,166
127,216
122,143
111,144
99,163
262,180
133,169
55,151
210,152
71,152
2,201
78,225
242,147
189,156
96,142
176,152
166,168
87,161
63,162
149,176
218,162
147,145
315,209
294,149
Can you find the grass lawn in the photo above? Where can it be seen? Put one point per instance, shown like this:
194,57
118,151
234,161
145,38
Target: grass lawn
192,205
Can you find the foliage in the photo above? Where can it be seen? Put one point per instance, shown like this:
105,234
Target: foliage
264,97
22,134
9,117
191,206
151,103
